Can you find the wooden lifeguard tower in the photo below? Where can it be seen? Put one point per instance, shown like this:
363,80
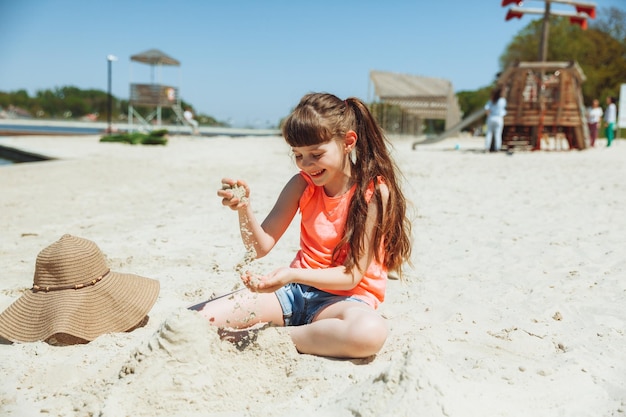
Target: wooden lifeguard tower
544,100
153,96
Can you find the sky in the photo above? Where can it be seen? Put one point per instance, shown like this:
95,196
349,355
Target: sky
248,62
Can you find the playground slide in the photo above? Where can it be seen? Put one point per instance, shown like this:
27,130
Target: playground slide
454,129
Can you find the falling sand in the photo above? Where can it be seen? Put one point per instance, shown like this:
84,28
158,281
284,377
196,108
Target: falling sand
239,192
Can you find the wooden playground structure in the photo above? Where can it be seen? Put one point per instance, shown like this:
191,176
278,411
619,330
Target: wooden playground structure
545,106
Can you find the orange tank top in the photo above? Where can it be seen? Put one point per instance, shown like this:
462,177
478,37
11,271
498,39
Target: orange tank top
322,227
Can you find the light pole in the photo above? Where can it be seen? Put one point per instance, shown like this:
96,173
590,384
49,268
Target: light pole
110,59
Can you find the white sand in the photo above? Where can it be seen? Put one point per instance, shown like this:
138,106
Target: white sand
516,305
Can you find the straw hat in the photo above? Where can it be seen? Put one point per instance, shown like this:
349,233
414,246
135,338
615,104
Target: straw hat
75,293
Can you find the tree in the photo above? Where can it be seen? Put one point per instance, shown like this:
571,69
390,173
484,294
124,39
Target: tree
612,22
20,98
70,100
470,101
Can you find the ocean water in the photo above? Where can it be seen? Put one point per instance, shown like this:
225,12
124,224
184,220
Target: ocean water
8,129
33,129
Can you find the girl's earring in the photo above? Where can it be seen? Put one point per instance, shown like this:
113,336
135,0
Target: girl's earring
353,156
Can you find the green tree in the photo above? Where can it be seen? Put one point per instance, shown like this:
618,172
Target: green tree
49,103
57,102
470,101
20,98
613,22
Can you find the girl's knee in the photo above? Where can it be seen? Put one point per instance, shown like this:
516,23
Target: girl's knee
370,335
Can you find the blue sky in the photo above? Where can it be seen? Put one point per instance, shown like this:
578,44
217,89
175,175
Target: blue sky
249,62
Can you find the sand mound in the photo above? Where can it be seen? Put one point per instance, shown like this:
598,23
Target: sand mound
185,366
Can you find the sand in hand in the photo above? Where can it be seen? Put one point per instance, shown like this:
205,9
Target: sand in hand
239,193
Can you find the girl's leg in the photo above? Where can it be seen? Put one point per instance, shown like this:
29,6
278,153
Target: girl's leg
242,310
346,329
499,127
610,133
488,136
593,133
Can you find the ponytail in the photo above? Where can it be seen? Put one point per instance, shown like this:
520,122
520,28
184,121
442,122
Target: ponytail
373,161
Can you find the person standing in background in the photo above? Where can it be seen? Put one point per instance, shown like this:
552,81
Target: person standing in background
495,110
189,118
594,118
610,117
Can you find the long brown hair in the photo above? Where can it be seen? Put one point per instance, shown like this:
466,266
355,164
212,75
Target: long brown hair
322,117
496,94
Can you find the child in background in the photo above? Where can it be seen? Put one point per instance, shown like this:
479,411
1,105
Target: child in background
353,230
188,115
610,117
595,117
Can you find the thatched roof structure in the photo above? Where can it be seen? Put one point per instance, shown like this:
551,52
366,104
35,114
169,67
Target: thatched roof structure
155,94
425,97
155,57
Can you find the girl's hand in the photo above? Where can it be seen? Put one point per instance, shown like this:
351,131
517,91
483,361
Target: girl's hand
268,283
234,193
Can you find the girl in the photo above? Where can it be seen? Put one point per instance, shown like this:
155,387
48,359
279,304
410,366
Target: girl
353,230
594,117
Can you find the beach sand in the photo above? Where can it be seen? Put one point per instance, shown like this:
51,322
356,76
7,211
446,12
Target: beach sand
515,305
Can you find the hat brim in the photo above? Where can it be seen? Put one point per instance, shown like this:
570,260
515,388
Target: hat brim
115,304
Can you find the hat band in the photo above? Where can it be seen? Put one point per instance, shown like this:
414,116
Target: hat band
94,281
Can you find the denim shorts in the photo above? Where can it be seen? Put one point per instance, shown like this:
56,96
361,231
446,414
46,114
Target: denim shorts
301,303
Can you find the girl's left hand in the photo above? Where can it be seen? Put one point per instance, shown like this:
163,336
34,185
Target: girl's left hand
268,283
